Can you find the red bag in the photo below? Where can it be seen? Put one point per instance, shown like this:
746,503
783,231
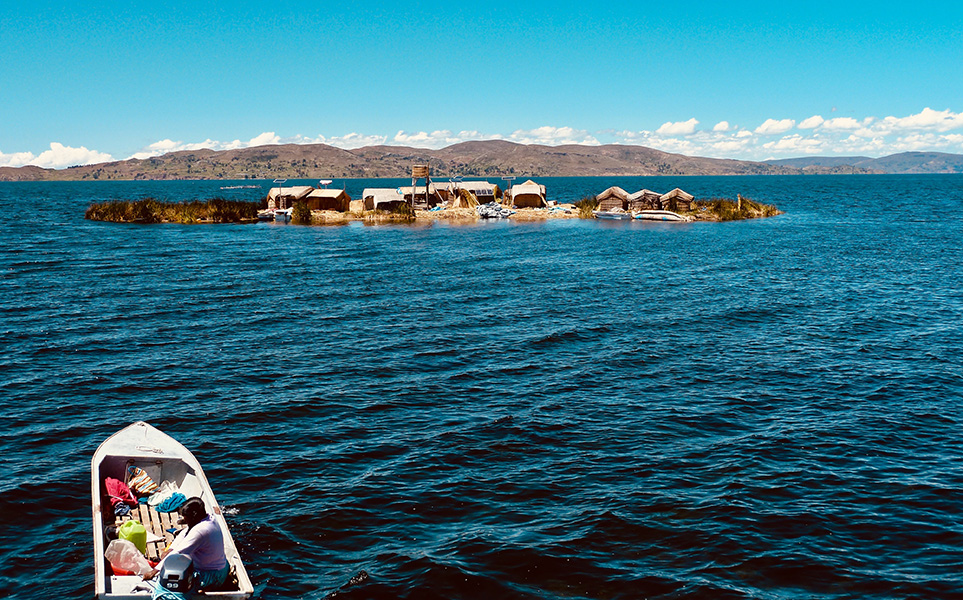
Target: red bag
119,492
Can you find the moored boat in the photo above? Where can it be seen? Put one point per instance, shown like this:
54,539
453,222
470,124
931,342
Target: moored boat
660,215
163,459
611,214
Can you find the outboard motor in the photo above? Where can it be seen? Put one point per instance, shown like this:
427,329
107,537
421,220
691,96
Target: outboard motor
177,574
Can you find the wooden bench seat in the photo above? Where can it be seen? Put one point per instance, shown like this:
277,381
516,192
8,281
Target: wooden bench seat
154,522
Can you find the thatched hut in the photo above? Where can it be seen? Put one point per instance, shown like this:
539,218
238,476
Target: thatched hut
528,195
612,198
382,198
483,191
285,197
432,195
677,200
645,200
327,199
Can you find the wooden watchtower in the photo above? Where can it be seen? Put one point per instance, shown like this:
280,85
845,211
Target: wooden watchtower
420,172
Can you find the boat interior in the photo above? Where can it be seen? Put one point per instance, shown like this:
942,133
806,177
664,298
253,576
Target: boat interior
161,527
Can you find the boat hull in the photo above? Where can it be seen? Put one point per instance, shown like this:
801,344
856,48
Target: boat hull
165,459
612,216
660,215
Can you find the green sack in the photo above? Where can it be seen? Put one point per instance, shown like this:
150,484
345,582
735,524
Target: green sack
135,533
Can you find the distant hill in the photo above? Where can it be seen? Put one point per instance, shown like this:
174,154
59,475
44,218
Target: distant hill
818,161
483,158
897,164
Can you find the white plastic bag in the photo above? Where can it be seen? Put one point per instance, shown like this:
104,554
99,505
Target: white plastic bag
124,555
165,491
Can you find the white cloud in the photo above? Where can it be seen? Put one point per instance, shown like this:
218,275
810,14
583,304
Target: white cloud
721,126
17,159
842,124
774,127
795,143
679,128
553,136
167,145
354,140
58,157
943,120
812,122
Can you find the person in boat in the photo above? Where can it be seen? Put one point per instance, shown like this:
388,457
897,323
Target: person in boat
203,541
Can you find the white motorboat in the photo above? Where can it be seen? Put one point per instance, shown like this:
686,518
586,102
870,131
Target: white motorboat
612,215
164,460
283,214
660,215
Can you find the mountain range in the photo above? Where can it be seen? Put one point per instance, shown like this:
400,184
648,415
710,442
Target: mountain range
902,163
491,158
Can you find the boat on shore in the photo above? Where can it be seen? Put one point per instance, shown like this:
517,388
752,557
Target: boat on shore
493,211
660,215
163,459
283,214
615,215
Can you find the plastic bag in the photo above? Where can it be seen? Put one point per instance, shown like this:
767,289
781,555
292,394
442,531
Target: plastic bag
165,491
134,532
125,556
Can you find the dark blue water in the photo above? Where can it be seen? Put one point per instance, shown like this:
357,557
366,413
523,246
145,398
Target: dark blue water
570,409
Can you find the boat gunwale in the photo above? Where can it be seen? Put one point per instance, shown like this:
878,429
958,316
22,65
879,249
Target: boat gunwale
172,450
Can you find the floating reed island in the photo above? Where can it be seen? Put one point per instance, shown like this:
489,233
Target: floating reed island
448,201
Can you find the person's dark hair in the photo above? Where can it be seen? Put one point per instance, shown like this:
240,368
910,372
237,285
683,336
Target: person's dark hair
193,511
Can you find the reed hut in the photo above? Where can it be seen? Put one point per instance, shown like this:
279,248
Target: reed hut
528,195
285,197
325,199
429,196
677,201
645,200
613,198
483,191
382,198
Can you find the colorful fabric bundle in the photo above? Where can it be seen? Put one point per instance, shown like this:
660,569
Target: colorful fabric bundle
172,503
119,493
140,482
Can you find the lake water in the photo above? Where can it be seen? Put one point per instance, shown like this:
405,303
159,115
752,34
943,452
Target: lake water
567,409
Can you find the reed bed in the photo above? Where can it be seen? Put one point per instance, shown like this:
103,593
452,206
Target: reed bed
585,207
152,210
727,209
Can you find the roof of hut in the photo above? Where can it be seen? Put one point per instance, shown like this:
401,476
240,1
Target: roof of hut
382,193
297,192
476,186
644,194
615,191
677,193
326,193
529,187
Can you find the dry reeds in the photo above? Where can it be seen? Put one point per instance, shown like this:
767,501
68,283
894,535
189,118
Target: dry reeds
151,210
726,209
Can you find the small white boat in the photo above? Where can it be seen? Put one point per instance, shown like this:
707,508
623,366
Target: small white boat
164,459
611,214
283,214
265,215
493,211
660,215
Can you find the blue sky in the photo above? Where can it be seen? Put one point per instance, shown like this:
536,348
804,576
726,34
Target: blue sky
93,81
